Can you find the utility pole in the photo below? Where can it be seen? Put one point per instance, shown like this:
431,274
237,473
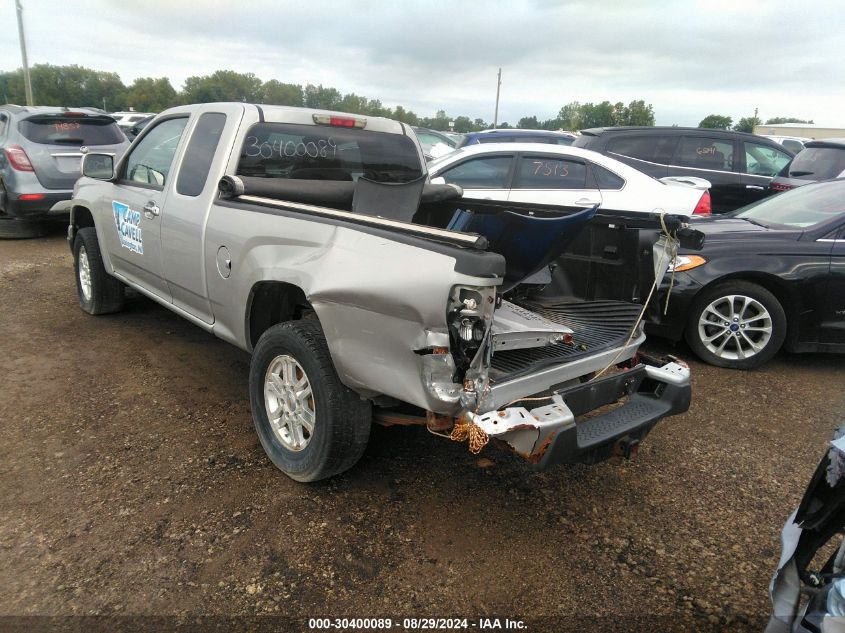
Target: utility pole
26,80
498,86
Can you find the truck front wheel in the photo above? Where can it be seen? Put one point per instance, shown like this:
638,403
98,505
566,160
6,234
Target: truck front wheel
99,292
310,424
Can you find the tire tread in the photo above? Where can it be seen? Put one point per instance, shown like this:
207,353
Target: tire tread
350,416
107,293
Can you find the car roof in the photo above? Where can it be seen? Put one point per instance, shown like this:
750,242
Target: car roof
17,109
776,137
524,132
605,161
838,143
418,128
663,129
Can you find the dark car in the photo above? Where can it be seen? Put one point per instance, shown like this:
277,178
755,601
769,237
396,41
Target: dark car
739,166
41,152
517,136
770,275
819,160
136,129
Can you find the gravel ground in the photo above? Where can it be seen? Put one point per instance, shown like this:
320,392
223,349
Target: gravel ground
134,485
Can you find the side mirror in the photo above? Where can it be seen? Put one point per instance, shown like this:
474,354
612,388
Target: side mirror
99,166
438,180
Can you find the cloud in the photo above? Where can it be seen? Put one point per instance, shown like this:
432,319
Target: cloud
688,59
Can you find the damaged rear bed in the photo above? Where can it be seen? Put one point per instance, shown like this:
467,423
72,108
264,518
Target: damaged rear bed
554,373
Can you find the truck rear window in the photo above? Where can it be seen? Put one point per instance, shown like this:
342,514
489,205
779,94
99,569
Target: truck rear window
58,130
321,152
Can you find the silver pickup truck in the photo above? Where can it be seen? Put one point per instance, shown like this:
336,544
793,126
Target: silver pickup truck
365,294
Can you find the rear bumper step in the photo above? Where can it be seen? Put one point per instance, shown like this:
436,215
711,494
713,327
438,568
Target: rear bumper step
553,434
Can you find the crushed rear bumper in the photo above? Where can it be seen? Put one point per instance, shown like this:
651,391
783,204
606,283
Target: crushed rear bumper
594,421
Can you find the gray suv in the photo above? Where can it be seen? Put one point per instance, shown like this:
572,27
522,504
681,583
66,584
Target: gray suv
40,154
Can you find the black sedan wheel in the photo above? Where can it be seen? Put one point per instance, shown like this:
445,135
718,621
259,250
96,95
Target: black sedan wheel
736,324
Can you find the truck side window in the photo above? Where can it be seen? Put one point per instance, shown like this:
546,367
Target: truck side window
200,151
149,162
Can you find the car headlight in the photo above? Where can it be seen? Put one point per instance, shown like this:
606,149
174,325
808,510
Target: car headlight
685,262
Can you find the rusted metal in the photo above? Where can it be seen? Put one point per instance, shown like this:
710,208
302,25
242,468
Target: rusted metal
438,422
389,418
537,455
626,447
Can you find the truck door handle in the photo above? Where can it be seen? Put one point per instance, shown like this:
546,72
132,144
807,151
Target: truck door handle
151,209
755,187
586,202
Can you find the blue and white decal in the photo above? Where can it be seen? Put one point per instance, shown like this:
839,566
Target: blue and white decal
128,223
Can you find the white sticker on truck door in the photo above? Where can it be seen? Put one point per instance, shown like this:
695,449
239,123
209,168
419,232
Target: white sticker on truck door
128,223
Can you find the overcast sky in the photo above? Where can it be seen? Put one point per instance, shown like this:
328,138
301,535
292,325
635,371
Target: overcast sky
687,58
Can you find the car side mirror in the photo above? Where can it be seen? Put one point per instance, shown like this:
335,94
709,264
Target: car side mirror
99,166
438,180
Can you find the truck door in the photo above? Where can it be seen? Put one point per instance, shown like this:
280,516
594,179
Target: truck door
133,237
194,188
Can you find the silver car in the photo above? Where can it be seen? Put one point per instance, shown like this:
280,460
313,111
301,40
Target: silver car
40,160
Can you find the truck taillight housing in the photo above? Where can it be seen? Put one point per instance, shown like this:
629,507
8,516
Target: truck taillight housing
17,158
340,121
703,208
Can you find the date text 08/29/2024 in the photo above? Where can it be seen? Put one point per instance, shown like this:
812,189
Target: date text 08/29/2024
415,624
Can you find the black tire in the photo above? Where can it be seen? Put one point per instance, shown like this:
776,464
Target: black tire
342,420
744,344
106,293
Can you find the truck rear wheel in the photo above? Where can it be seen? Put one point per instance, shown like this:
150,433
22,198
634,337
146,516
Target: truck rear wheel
99,292
310,424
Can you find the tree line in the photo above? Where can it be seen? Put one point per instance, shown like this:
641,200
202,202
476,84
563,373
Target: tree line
78,86
745,124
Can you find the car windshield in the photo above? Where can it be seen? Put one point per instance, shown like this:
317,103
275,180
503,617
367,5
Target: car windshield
818,163
799,208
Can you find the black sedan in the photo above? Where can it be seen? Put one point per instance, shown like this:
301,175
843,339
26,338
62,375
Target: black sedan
770,275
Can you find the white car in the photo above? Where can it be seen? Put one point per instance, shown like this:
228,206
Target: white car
793,143
567,176
126,120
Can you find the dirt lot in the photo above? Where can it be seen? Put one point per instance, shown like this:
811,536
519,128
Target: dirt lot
133,483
